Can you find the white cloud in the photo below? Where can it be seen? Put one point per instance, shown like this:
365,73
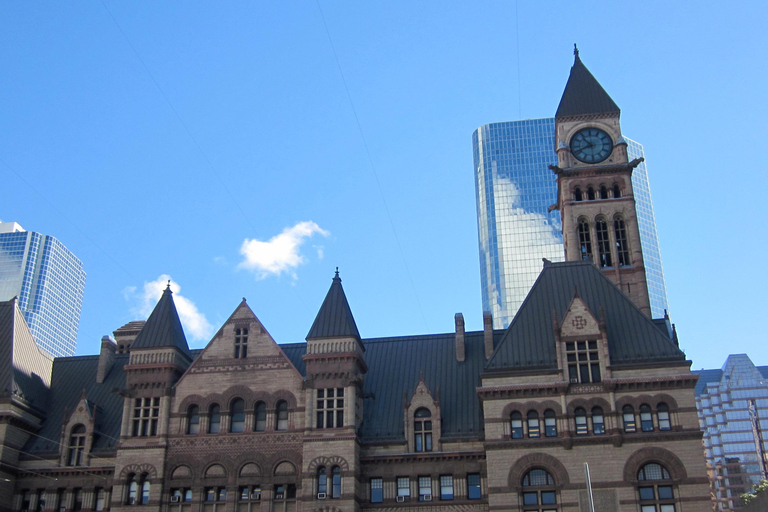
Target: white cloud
196,326
279,254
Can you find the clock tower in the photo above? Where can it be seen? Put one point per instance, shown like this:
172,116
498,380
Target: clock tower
594,185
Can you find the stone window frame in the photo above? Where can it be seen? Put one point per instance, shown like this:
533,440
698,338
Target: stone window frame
422,398
76,445
139,485
231,412
80,416
524,408
589,406
241,342
653,401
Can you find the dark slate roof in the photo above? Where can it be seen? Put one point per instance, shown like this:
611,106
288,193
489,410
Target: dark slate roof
335,318
583,94
394,368
163,327
72,375
130,328
529,340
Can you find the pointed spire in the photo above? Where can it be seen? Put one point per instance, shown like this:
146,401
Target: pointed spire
334,320
583,94
163,327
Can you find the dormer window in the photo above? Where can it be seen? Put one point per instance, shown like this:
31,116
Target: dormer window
76,446
241,343
583,361
422,427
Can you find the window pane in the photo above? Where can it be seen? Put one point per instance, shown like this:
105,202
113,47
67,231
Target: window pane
530,498
473,487
646,493
667,508
548,498
665,492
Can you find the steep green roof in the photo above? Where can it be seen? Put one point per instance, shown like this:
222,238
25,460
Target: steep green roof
334,320
163,327
583,94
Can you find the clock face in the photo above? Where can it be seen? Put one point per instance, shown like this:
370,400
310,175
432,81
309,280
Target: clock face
591,145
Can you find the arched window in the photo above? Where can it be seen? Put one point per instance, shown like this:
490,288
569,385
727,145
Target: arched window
539,493
282,415
260,425
214,419
237,415
76,446
585,240
622,248
598,423
580,415
663,415
422,430
655,489
193,419
603,243
516,421
322,482
241,343
533,424
616,190
646,418
603,192
138,489
629,419
577,195
591,193
336,482
550,423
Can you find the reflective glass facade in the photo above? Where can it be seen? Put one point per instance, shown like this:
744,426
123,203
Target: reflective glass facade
732,404
49,282
514,189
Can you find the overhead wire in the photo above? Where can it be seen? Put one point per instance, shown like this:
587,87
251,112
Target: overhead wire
372,166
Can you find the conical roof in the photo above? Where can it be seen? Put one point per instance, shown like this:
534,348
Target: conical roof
163,327
334,320
583,94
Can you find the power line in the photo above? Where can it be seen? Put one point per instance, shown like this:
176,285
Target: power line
373,167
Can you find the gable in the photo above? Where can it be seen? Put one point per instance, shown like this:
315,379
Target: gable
579,320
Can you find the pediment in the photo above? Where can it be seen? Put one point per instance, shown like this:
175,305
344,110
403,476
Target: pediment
579,320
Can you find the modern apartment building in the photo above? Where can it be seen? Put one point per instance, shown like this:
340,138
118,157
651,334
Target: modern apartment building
733,411
516,228
49,282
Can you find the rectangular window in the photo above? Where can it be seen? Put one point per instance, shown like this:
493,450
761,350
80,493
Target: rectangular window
241,343
377,490
425,488
473,486
25,500
100,496
330,408
583,361
446,487
146,412
403,487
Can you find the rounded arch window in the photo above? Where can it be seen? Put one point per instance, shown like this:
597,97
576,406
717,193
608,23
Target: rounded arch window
598,421
336,482
620,234
646,418
237,415
603,242
616,190
422,430
534,429
655,489
585,240
577,194
591,193
260,413
516,422
603,192
663,415
193,419
539,493
550,423
628,415
322,480
282,415
580,416
214,419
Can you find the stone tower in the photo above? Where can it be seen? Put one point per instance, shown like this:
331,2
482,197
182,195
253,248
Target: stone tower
594,181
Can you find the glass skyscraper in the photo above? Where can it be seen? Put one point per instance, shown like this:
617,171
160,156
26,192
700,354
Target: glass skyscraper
732,404
49,282
514,190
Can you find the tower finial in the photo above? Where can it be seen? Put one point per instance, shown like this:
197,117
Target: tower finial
169,285
575,51
337,273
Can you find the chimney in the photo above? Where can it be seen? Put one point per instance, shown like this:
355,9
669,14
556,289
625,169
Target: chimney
460,355
488,334
106,358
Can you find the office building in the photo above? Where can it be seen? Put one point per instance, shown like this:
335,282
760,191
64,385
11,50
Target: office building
516,228
49,282
733,411
458,421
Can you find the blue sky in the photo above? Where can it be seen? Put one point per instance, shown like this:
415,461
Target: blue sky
234,148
